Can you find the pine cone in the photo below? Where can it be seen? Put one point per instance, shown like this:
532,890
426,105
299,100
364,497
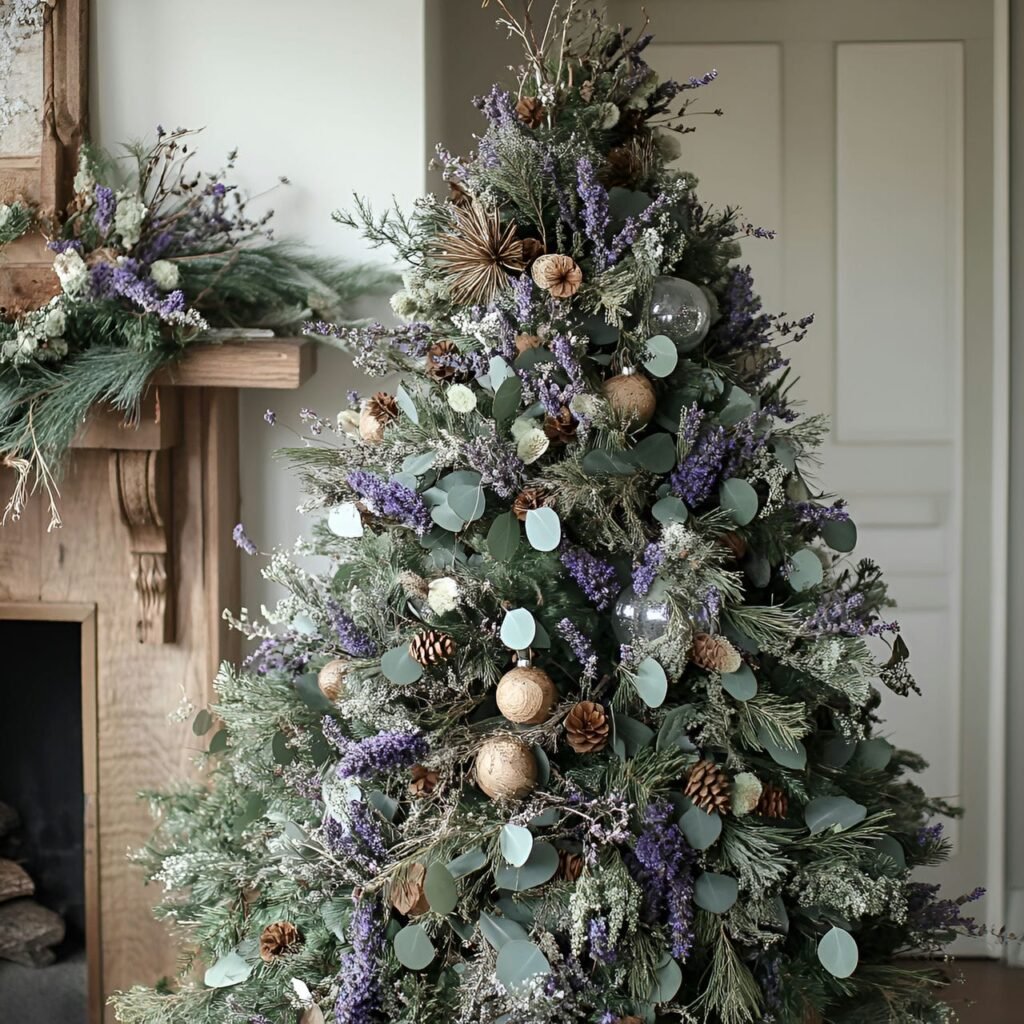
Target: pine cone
715,653
621,168
383,407
530,498
530,111
587,728
527,341
407,896
560,429
532,248
458,194
424,781
570,865
277,939
708,787
430,647
735,543
439,362
557,274
774,802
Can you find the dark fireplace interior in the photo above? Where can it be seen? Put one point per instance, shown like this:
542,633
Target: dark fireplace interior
41,779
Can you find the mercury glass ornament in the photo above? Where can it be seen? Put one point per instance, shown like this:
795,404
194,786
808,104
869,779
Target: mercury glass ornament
640,617
680,311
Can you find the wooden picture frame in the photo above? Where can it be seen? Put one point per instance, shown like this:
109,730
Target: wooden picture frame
56,46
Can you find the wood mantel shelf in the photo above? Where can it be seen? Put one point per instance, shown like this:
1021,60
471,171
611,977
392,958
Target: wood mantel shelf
140,453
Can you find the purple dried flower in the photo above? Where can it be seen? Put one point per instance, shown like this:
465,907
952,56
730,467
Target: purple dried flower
663,863
353,639
646,569
270,417
581,647
596,215
497,106
595,577
929,915
522,296
929,834
602,950
357,837
391,499
64,245
706,79
378,754
844,614
816,515
500,468
241,539
360,992
104,208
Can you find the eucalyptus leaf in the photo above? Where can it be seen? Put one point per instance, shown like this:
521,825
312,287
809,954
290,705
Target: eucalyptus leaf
890,846
674,730
344,520
468,862
419,464
498,371
519,962
406,404
651,683
283,754
670,509
838,952
336,914
386,806
219,743
307,687
518,629
826,812
202,723
500,930
543,529
805,570
630,735
656,453
460,478
700,828
399,667
837,751
229,970
839,534
440,889
515,843
467,502
789,757
445,517
507,400
504,536
543,765
667,980
738,405
715,893
602,462
662,356
414,948
739,499
540,867
874,754
741,684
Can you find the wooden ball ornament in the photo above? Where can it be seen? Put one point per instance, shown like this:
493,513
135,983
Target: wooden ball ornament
631,395
331,679
526,695
506,768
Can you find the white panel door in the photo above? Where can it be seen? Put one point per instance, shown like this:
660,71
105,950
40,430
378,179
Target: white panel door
863,132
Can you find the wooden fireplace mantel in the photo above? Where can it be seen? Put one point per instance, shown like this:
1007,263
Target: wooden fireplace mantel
145,561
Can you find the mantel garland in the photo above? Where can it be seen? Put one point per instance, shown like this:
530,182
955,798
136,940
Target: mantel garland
580,724
150,258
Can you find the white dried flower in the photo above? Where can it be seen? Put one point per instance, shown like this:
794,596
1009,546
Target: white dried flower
522,426
5,214
131,212
71,271
165,274
54,322
403,304
587,406
443,595
461,398
532,445
348,422
746,791
668,144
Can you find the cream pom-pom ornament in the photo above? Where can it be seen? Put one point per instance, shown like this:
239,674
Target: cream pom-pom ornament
526,695
331,679
631,395
506,768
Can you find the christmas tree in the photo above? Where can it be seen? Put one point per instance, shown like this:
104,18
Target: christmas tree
580,724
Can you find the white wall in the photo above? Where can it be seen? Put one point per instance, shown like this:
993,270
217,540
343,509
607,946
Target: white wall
330,93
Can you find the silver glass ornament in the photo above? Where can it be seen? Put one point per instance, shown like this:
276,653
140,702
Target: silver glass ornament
640,616
680,310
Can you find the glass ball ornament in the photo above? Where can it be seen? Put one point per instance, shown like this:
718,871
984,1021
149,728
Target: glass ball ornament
680,310
640,616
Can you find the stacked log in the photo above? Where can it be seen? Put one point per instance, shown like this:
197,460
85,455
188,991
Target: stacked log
28,931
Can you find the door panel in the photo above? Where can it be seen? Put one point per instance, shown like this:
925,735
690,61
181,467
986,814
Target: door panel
864,134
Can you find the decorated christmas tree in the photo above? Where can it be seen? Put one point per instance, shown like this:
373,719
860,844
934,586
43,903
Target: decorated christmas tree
580,722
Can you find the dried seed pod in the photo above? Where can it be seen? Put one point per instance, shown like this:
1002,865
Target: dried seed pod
407,895
331,679
377,412
530,498
715,653
423,781
557,274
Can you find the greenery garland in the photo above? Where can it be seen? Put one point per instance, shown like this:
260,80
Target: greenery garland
148,261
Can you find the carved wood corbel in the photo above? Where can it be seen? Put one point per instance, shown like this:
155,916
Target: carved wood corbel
140,485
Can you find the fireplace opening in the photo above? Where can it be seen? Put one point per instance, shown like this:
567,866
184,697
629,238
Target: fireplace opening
43,973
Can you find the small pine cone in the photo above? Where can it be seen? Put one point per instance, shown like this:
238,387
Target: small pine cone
527,341
709,788
430,647
458,194
774,802
715,653
587,91
570,865
439,362
560,429
407,896
277,939
621,169
587,728
532,248
530,110
530,498
383,407
735,543
557,274
423,782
